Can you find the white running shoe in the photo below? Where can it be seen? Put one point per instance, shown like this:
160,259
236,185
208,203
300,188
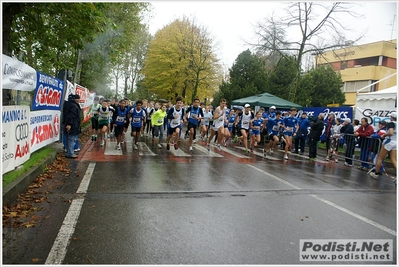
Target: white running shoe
135,147
159,146
118,147
285,157
191,148
102,143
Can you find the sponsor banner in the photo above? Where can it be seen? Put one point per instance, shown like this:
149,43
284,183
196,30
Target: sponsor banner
83,93
44,128
48,94
374,115
15,136
86,113
90,99
346,250
340,112
70,89
17,75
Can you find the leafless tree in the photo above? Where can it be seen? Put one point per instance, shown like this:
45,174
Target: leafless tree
320,27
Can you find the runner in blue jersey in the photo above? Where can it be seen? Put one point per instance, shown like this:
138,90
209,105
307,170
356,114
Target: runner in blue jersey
194,115
230,125
273,128
290,126
257,128
119,119
137,118
226,132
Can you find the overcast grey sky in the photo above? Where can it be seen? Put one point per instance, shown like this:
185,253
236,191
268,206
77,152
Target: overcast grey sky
229,22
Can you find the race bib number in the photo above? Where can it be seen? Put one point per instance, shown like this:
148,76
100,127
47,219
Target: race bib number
136,120
256,128
175,122
276,128
120,119
245,123
160,120
289,129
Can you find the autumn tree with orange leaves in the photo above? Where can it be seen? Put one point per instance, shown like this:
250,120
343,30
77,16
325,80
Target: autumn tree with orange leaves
181,61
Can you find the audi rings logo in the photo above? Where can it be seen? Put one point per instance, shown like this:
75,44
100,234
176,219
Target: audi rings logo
21,132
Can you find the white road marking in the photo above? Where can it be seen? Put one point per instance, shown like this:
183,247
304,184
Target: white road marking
147,151
59,248
238,155
84,184
275,177
210,153
351,213
110,149
177,152
364,219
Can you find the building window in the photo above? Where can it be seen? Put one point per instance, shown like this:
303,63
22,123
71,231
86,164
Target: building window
369,61
352,87
344,65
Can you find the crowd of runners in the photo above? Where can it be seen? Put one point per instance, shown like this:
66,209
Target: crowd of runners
240,125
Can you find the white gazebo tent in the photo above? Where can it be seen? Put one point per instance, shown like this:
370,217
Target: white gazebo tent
376,105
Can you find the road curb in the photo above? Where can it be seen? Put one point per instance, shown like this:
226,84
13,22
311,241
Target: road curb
19,185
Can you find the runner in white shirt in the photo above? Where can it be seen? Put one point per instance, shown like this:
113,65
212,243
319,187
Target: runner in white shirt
218,124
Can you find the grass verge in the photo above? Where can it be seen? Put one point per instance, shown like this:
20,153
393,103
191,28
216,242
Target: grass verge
35,159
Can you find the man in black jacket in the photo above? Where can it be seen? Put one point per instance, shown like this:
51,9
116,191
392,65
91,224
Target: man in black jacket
347,130
316,130
72,124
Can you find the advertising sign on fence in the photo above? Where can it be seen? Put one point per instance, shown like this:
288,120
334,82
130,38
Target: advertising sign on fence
48,94
70,89
83,93
15,136
44,127
17,75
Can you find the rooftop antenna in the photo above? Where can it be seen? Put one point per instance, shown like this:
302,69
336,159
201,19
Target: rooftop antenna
393,24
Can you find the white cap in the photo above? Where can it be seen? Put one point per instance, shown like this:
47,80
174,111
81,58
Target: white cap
273,107
347,120
247,105
393,114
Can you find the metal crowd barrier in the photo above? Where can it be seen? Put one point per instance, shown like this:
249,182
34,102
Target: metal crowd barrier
359,149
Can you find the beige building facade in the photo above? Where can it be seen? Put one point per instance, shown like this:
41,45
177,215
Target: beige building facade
363,65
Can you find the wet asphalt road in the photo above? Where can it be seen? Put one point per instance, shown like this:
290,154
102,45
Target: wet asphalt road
153,206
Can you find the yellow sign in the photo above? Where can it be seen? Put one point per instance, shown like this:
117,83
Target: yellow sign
332,105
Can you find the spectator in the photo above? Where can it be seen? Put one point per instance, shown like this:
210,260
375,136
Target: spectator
347,130
335,139
364,133
329,124
356,125
316,129
377,140
302,133
72,124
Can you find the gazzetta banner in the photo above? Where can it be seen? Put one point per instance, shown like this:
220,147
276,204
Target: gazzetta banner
15,136
374,115
17,75
44,128
48,94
